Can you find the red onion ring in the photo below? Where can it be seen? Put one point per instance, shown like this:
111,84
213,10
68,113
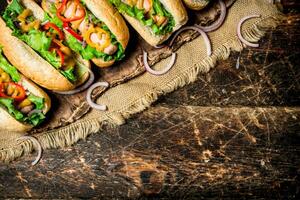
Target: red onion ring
229,3
80,88
243,40
154,72
45,22
160,46
37,145
34,111
217,23
204,35
237,65
89,96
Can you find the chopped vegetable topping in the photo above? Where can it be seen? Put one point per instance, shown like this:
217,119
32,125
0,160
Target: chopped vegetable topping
14,97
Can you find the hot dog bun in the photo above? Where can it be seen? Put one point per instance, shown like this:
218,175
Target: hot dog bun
196,4
105,12
177,10
9,123
33,65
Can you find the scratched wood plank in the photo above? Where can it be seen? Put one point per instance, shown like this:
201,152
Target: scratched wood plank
188,151
234,133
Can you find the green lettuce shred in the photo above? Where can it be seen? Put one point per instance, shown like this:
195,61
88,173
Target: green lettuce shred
8,68
139,15
36,39
9,105
88,52
38,101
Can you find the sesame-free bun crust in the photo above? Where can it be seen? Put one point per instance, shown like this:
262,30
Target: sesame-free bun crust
196,4
9,123
177,10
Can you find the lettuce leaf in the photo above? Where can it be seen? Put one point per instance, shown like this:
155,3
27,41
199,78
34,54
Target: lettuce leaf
8,104
35,119
41,43
36,39
12,11
8,68
89,52
37,101
140,16
15,6
55,20
69,74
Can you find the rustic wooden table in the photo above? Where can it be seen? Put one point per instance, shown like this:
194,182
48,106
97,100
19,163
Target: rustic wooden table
233,133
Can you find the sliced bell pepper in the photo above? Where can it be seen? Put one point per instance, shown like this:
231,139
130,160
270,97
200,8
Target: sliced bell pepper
56,28
60,54
72,32
72,19
12,90
99,32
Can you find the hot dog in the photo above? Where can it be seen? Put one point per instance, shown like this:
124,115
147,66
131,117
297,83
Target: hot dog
37,47
23,104
154,20
95,23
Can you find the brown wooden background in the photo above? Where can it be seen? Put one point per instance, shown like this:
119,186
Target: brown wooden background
234,133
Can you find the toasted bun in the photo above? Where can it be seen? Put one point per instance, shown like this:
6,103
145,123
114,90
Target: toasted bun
177,10
29,62
9,123
196,4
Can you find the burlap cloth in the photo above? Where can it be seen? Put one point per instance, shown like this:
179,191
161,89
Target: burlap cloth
138,94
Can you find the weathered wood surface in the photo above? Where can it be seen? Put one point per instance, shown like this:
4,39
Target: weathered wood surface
234,133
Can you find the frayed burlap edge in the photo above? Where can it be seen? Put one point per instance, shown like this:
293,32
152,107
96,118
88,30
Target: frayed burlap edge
253,34
71,134
54,139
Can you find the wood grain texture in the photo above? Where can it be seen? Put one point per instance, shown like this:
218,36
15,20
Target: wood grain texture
234,133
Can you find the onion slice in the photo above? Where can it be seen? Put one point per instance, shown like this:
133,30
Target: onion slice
89,96
237,65
229,3
45,22
37,145
204,35
82,87
160,46
243,40
217,23
154,72
34,111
